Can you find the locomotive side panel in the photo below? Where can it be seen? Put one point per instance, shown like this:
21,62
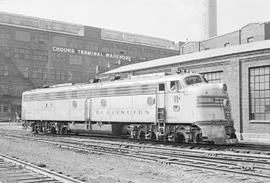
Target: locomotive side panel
121,108
55,110
144,108
75,110
33,111
138,108
100,109
181,108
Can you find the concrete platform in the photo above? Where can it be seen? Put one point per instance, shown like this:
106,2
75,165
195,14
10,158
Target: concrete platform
253,138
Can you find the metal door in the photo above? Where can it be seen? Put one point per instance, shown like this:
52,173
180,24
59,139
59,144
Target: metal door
161,103
88,109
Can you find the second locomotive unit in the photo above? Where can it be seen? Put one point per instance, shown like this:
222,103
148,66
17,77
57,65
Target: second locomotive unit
181,108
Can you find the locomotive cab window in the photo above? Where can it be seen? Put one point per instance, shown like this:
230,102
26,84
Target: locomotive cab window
161,87
190,80
174,85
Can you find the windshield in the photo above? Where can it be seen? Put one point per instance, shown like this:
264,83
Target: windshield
190,80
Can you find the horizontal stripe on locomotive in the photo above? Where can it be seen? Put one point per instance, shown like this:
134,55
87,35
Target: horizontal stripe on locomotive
211,99
104,92
209,105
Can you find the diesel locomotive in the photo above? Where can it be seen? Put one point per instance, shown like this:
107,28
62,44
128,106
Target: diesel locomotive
181,107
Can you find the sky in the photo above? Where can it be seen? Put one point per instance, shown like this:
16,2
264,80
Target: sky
175,20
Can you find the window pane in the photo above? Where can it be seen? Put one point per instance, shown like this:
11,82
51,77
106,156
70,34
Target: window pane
259,87
161,87
213,77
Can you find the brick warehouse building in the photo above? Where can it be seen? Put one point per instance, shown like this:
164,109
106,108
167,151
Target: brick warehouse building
246,70
250,33
36,52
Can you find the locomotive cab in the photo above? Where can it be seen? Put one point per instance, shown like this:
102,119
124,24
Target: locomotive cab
197,111
210,109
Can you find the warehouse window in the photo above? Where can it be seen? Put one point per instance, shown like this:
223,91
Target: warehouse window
26,72
39,73
40,55
22,53
52,74
58,74
259,93
41,38
45,74
4,70
22,36
69,76
4,89
59,57
4,35
213,77
6,107
62,75
59,41
75,59
34,73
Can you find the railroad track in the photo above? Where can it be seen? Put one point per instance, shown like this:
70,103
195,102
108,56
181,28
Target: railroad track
15,170
252,166
235,148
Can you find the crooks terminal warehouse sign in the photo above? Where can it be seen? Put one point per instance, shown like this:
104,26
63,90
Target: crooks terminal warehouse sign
90,53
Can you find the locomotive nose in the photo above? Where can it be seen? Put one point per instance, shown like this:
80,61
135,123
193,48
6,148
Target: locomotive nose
213,89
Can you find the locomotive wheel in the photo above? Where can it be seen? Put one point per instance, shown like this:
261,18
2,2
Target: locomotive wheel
153,136
179,137
39,129
141,135
197,139
233,136
35,129
53,131
64,131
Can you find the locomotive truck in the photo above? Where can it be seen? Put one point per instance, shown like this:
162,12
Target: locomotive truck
180,108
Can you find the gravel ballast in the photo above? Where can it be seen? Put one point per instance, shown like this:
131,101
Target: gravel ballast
99,168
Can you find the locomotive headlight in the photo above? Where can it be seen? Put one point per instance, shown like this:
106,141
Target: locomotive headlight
224,87
205,100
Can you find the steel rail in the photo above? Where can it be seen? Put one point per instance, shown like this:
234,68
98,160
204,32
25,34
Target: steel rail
239,148
192,158
40,170
171,158
211,153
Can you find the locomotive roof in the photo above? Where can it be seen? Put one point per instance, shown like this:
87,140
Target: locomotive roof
206,54
124,82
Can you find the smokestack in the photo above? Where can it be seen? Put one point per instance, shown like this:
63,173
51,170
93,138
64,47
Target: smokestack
209,19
